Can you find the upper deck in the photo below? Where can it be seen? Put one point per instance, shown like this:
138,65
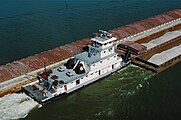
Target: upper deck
104,37
66,75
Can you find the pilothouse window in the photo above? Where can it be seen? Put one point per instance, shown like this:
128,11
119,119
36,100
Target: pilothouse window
96,44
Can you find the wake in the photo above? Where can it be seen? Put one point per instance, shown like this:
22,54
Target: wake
15,106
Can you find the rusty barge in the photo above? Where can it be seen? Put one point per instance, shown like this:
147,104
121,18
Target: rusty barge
147,41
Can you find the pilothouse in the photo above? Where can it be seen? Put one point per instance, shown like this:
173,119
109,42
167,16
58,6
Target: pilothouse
84,68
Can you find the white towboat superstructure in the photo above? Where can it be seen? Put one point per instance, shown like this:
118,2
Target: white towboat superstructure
99,60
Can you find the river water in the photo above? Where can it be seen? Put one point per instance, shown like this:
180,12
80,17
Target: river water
28,27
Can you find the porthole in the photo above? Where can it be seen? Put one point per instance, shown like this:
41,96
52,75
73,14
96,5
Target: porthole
77,82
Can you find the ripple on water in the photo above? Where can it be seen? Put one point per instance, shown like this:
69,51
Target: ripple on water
126,82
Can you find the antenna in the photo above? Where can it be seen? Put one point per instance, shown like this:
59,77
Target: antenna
105,34
45,70
44,66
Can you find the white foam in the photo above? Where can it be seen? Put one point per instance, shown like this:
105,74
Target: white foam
15,106
140,85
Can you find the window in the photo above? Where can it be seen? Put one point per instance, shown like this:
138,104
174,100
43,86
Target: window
65,87
77,82
104,51
97,44
91,73
112,66
99,72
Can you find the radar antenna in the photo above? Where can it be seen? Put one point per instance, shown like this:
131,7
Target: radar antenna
105,34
